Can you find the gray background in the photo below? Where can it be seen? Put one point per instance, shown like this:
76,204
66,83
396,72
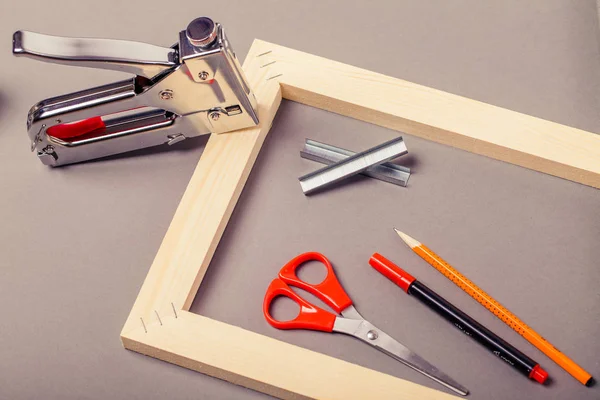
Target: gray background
76,242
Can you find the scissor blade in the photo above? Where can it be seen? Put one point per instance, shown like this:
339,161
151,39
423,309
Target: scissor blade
375,337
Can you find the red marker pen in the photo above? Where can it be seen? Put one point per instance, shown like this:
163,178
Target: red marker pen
503,350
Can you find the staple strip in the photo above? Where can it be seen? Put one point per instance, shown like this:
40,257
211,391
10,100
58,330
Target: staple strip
352,165
328,154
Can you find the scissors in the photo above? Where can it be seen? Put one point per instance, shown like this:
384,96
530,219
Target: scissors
347,320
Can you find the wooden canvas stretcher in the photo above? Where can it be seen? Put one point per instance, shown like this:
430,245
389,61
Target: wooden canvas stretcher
160,324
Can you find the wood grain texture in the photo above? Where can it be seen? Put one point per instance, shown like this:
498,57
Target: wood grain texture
442,117
267,365
161,326
204,211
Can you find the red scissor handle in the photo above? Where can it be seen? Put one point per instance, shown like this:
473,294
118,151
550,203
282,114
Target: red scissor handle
329,291
310,316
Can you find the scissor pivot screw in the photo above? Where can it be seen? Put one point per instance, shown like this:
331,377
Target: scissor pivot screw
215,116
372,335
203,75
166,94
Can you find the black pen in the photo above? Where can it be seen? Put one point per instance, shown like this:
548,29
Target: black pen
462,321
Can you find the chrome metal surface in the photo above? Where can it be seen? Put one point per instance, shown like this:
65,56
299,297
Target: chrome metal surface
201,32
47,156
138,58
175,139
351,313
328,154
352,165
156,106
166,94
375,337
46,159
372,335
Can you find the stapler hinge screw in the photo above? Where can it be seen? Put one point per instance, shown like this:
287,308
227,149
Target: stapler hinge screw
215,116
203,75
166,94
48,155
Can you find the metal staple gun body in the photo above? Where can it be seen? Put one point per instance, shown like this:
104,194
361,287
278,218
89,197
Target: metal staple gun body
194,87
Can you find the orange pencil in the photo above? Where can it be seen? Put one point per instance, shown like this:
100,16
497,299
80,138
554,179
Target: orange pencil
497,309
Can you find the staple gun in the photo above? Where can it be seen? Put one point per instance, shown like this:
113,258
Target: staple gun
192,88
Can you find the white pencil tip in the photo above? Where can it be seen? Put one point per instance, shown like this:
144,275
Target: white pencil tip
412,243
